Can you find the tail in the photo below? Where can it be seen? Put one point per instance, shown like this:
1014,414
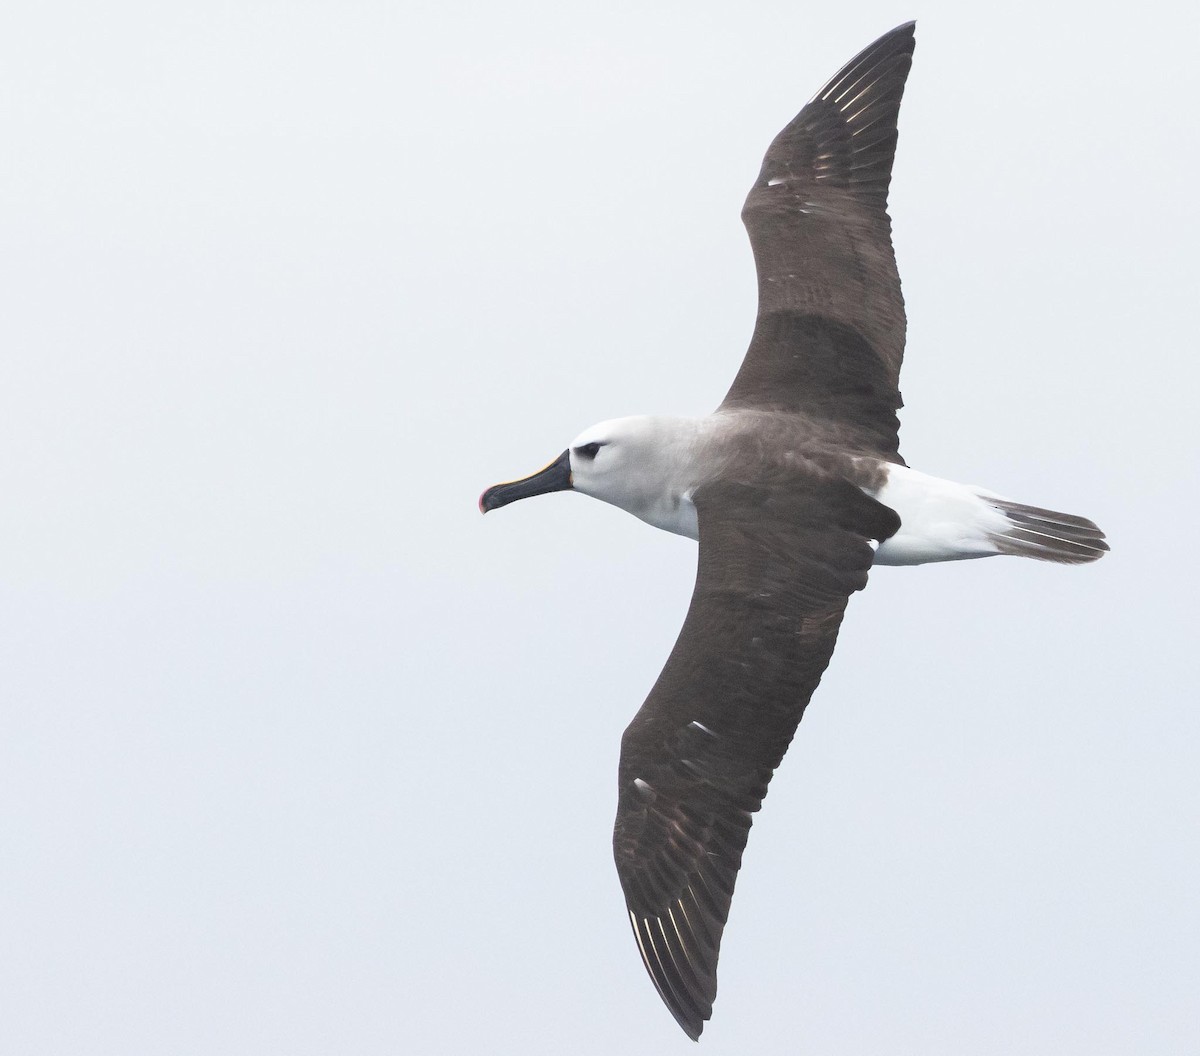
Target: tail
1046,535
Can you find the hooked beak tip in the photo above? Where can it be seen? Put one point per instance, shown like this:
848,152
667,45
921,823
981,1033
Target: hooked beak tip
554,477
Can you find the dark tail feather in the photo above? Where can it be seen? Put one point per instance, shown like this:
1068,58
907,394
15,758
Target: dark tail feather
1046,535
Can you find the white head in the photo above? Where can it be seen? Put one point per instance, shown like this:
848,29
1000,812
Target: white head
640,464
618,461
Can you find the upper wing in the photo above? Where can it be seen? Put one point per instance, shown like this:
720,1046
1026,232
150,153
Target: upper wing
776,568
829,337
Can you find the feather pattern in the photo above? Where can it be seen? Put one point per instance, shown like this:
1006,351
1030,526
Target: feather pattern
829,338
777,565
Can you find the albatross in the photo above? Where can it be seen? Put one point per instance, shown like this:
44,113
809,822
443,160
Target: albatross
794,488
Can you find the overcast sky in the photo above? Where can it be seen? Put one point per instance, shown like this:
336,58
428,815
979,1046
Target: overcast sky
299,755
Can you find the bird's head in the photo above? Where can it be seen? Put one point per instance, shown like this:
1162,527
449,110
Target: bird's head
623,462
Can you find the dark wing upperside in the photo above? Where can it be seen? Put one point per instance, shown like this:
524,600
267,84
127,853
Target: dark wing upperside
776,568
829,338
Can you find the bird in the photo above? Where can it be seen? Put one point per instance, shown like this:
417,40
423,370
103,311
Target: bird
795,488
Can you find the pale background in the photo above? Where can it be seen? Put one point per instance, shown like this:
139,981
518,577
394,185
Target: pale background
299,755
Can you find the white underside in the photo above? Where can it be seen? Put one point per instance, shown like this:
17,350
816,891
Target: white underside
939,519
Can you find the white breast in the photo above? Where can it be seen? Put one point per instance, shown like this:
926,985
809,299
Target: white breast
675,515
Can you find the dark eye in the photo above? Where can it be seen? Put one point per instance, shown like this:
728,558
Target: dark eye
588,450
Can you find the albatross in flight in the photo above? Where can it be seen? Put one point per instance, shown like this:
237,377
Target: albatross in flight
794,488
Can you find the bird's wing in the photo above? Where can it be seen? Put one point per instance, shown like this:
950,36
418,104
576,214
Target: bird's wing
829,337
776,568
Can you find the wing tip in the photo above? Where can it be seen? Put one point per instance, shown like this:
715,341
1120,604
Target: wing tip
678,992
905,29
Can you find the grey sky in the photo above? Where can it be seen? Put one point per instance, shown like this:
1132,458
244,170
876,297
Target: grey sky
299,755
